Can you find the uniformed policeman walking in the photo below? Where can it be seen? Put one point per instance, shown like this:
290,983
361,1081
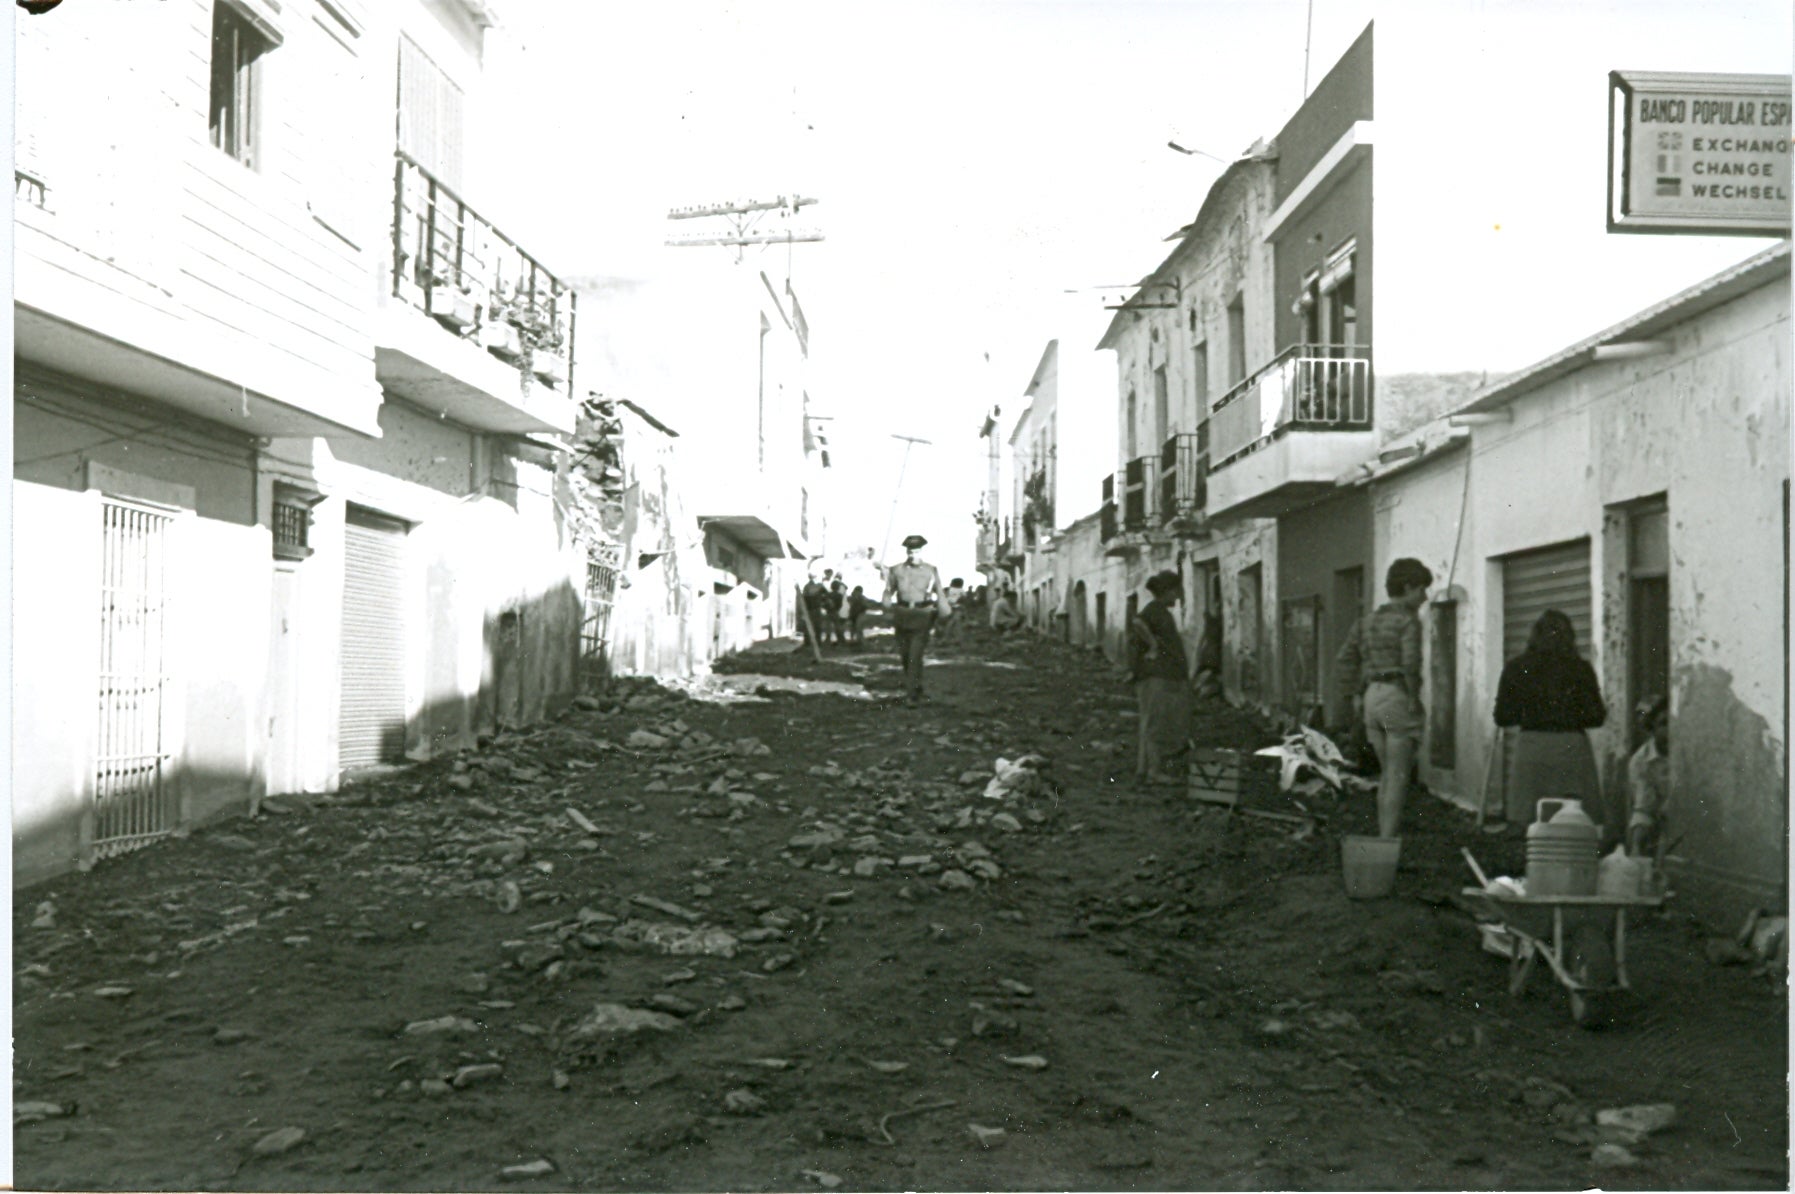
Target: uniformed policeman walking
913,595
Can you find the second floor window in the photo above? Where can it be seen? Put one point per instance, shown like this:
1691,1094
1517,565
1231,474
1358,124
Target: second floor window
237,51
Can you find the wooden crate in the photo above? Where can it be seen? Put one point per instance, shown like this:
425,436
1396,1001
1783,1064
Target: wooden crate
1230,776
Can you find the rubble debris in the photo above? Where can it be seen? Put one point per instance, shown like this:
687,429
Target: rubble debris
608,1020
987,1137
677,940
1633,1124
743,1102
1025,777
279,1141
957,880
671,909
1612,1156
442,1026
469,1075
529,1169
31,1111
1031,1061
822,1177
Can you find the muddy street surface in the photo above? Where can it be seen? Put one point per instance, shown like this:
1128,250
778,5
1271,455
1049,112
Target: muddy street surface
773,934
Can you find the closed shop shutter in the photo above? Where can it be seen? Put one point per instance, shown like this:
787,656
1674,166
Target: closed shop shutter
1550,578
371,723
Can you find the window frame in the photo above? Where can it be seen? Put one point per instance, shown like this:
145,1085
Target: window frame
240,42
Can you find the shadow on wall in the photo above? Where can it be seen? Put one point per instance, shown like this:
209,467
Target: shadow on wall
531,669
52,844
530,673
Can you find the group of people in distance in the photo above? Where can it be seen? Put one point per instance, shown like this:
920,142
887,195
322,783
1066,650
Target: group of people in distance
834,611
1547,696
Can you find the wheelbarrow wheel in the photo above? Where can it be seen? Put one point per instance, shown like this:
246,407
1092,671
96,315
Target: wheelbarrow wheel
1592,966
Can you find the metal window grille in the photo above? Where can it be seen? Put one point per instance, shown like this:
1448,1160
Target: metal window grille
134,800
292,529
595,626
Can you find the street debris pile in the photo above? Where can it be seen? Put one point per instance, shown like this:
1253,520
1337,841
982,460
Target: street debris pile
807,940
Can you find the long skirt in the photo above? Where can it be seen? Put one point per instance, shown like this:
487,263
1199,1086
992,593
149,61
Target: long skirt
1164,723
1550,765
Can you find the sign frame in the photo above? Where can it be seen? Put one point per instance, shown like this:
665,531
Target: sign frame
1622,87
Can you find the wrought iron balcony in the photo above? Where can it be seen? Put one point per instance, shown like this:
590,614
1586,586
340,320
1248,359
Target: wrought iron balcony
1184,475
1314,387
458,268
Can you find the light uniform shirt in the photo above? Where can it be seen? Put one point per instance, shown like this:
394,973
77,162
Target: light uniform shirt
912,582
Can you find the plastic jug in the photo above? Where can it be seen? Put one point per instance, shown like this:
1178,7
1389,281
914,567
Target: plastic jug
1621,874
1563,849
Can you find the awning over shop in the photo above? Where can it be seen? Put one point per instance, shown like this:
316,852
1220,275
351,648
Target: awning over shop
752,532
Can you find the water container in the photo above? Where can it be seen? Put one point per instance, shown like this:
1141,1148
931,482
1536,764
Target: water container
1563,850
1621,874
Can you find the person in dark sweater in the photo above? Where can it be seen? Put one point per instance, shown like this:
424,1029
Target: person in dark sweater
1549,694
1161,676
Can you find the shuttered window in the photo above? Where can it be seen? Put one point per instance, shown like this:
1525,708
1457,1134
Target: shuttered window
430,115
371,720
1550,578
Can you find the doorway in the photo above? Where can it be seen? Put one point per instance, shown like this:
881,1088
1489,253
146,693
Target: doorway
1648,608
1102,623
1250,593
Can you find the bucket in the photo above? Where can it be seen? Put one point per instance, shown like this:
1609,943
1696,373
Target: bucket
1368,864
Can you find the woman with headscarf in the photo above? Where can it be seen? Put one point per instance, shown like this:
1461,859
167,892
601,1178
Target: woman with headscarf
1549,694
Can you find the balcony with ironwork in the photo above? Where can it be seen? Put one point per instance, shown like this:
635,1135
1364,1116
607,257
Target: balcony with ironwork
475,327
1184,479
1281,437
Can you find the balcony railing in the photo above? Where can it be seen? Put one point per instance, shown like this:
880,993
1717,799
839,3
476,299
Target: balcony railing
1106,522
1184,475
1139,492
456,267
1313,387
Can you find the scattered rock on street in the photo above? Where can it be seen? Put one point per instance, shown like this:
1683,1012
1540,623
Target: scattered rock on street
279,1141
957,880
743,1102
614,1020
987,1137
1612,1156
529,1169
442,1025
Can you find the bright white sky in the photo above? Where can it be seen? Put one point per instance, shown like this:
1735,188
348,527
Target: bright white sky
975,160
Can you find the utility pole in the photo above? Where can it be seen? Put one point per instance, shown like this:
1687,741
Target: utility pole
909,442
743,220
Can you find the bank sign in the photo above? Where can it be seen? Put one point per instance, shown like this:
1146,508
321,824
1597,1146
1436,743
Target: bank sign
1698,153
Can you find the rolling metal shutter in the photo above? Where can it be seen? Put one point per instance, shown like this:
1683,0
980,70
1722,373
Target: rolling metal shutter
1536,581
371,721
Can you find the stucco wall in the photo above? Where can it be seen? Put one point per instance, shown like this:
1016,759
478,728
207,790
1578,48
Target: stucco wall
1706,425
215,636
56,655
60,425
1313,545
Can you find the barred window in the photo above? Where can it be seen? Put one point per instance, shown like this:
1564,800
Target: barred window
292,529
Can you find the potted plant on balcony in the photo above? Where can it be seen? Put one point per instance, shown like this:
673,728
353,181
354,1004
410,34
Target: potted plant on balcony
547,359
451,304
500,333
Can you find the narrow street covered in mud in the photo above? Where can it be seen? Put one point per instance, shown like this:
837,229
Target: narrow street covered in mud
771,933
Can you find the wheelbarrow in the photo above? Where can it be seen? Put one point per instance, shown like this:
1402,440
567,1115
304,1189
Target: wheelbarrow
1581,938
